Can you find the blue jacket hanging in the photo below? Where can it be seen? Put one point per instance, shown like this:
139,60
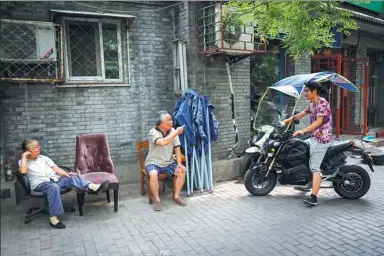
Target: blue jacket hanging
213,123
191,111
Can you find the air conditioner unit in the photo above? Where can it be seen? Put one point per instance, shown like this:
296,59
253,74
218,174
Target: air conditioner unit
233,39
27,41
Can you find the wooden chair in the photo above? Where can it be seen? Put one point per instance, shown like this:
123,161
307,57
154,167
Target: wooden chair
144,178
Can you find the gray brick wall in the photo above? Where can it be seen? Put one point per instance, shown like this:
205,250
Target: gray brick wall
210,78
357,103
55,116
302,66
290,66
216,86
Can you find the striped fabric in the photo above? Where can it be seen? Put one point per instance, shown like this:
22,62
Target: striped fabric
169,170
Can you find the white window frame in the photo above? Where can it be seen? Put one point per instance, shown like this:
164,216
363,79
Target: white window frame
90,79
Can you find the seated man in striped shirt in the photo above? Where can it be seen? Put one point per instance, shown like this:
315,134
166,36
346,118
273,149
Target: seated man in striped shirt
163,139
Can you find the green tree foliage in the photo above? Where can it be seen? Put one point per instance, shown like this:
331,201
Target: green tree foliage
304,27
264,71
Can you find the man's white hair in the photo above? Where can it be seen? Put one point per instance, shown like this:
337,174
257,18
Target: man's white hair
25,144
161,116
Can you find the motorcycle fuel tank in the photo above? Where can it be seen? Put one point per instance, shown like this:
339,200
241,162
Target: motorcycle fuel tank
294,152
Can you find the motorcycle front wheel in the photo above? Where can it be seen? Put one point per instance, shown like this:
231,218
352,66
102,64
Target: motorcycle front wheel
246,162
256,183
354,183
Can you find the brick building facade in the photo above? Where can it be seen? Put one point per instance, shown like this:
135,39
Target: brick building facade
55,113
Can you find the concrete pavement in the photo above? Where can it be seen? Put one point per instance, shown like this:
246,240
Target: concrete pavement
226,222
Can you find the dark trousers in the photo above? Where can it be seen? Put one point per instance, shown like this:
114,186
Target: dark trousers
52,191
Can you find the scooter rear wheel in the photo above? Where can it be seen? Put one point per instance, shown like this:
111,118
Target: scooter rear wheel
354,183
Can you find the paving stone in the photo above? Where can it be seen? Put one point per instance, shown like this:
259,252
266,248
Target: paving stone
11,251
226,222
46,252
58,253
91,252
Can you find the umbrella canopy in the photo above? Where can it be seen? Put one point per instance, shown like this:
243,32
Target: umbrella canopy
287,89
298,81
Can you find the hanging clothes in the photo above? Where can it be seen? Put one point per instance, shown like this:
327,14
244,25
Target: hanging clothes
191,111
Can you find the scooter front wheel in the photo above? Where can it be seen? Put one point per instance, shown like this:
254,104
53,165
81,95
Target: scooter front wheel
256,183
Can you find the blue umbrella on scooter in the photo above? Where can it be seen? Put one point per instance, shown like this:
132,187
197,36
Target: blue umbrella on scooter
299,81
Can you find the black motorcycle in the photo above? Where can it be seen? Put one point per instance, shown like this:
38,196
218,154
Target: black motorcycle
269,114
285,159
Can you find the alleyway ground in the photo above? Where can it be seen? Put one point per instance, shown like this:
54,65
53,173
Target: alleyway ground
226,222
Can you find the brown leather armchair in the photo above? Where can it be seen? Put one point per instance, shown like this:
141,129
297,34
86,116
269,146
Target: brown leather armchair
94,162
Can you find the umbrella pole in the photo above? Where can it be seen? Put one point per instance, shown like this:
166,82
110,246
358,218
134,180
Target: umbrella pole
294,108
257,110
209,160
203,167
197,171
186,164
206,164
193,168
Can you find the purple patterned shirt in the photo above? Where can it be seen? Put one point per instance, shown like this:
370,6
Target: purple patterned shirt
323,133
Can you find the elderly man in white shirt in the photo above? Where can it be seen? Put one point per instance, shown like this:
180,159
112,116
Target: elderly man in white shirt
46,177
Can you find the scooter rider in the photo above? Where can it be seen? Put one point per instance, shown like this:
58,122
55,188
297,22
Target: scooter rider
321,129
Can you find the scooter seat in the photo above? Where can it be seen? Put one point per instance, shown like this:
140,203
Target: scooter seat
339,145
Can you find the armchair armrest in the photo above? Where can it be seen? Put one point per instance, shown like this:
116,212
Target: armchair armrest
66,168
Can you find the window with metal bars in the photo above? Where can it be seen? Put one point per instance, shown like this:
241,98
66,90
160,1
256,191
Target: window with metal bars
30,51
93,50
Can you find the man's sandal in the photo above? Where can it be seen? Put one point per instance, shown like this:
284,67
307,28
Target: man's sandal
178,201
157,206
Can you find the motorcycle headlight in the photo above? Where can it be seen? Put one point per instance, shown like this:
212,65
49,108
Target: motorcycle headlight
273,145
